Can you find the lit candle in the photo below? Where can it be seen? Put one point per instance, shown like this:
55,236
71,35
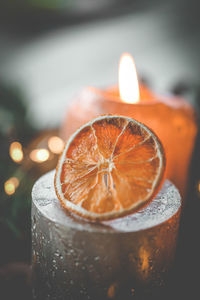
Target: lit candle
171,118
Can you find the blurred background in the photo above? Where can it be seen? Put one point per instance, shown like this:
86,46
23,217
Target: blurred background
50,50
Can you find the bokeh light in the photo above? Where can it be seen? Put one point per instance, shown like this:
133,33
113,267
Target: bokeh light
55,144
11,185
39,155
16,152
198,186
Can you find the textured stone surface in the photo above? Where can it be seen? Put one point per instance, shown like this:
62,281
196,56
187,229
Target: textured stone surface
164,206
76,259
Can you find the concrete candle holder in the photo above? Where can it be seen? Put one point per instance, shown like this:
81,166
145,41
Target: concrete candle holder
119,259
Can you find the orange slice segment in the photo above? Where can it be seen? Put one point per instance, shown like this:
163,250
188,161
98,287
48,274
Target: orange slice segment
110,167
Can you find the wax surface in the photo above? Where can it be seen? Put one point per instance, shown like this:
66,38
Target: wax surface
172,119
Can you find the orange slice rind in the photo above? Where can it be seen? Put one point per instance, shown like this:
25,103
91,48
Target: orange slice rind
110,167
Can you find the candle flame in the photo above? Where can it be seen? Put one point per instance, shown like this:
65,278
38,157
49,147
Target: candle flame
128,82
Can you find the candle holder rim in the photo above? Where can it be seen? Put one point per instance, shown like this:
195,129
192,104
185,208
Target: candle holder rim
82,225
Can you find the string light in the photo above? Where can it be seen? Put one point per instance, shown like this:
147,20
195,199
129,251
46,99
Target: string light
39,155
198,186
16,152
11,185
55,144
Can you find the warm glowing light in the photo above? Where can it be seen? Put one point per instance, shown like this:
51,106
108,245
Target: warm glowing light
128,82
16,152
10,185
199,186
15,181
55,144
112,291
39,155
143,263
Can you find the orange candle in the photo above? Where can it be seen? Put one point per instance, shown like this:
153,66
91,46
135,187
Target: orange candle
171,118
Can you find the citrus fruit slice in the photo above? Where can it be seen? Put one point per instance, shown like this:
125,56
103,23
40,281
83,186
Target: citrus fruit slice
110,167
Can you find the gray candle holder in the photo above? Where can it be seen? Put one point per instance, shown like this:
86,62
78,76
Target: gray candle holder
119,259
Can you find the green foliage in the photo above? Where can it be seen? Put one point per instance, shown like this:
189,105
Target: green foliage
14,126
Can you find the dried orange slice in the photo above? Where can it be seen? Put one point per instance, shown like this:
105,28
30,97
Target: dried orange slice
110,167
